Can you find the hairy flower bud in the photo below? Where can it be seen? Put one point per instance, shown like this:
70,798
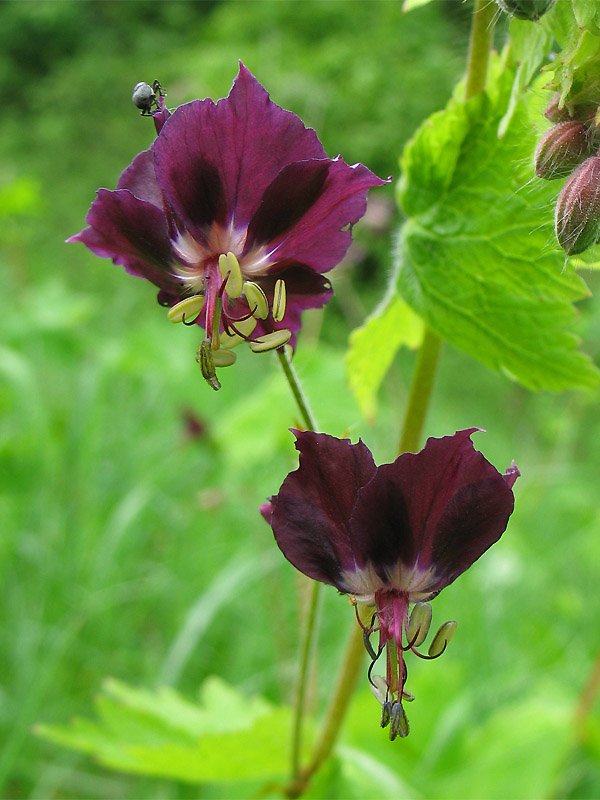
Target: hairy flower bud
577,217
561,149
554,112
526,9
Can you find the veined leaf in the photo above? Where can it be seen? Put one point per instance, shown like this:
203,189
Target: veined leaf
480,263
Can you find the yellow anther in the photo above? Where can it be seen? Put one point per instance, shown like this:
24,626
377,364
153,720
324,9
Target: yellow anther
271,341
204,357
223,358
245,327
186,309
257,300
229,264
227,341
418,624
441,639
279,301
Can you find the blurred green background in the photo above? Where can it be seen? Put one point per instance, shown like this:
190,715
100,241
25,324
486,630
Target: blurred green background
131,544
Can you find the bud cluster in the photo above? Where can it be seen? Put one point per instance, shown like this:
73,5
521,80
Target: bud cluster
570,150
526,9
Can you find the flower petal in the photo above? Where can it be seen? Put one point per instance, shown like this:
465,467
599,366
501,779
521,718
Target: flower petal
321,236
286,199
439,510
312,510
241,144
132,232
140,179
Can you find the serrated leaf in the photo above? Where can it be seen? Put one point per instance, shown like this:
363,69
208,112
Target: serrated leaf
373,347
227,737
481,265
529,44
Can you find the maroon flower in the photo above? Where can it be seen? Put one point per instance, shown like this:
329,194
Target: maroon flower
235,213
391,535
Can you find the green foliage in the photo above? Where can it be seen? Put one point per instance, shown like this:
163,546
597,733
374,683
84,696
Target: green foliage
575,68
132,546
476,259
373,346
226,737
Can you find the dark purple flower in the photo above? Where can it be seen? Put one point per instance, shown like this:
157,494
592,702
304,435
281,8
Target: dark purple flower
391,535
235,213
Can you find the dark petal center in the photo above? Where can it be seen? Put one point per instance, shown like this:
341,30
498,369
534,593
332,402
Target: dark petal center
287,199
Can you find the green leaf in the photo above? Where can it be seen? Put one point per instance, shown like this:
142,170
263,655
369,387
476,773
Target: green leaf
227,737
478,260
529,44
587,14
373,347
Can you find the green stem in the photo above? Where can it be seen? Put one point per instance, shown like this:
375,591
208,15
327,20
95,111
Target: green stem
310,627
480,44
308,640
352,662
420,392
292,379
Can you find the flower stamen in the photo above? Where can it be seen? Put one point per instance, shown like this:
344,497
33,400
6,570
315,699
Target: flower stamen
223,358
270,341
204,357
257,300
229,267
279,297
189,308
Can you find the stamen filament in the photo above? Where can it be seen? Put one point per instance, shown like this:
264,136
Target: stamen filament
216,323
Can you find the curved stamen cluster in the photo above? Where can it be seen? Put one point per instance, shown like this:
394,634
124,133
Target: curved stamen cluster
398,633
232,307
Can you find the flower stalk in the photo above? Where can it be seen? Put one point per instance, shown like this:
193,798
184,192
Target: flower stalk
420,392
310,630
414,420
290,374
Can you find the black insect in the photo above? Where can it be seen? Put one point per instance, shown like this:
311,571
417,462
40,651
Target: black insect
145,96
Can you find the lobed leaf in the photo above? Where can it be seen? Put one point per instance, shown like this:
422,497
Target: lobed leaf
480,263
373,347
226,737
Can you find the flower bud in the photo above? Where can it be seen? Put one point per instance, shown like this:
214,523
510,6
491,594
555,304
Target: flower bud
554,113
561,149
526,9
577,217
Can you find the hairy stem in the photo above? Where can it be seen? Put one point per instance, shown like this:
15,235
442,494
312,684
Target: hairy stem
345,684
480,44
310,628
306,648
299,397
